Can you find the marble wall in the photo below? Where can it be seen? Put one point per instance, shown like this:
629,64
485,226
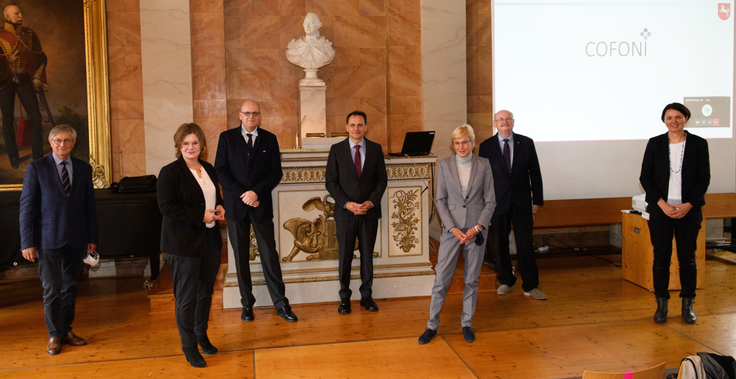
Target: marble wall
480,91
166,55
208,70
377,66
444,66
128,139
409,64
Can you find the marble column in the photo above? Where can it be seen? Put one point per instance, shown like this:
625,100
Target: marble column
444,69
166,55
313,99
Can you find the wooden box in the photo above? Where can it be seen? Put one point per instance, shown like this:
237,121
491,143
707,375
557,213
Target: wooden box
638,254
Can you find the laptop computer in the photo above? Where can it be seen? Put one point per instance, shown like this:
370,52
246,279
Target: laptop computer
416,144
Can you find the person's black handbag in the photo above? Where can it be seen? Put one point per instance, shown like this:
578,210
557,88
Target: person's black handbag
137,184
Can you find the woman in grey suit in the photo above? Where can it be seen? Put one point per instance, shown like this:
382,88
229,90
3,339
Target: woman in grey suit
189,199
465,202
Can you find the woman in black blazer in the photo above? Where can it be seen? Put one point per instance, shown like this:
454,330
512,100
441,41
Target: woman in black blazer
675,174
189,199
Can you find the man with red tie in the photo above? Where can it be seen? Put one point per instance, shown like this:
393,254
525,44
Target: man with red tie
356,178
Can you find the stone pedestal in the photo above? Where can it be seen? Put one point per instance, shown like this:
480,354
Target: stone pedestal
313,106
304,228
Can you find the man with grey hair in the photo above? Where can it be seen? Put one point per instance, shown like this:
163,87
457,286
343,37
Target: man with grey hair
22,71
517,179
58,226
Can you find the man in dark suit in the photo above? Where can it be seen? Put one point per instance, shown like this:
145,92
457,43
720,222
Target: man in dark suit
356,178
58,225
518,183
248,164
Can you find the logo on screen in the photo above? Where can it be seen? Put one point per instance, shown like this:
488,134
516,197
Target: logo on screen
724,10
619,48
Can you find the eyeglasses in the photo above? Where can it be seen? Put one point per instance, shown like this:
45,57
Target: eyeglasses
248,114
66,141
504,119
458,143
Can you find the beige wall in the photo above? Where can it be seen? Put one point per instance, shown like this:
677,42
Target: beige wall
377,66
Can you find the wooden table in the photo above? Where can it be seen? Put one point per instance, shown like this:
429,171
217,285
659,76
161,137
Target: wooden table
637,254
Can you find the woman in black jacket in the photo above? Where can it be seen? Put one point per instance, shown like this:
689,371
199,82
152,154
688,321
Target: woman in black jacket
675,174
189,199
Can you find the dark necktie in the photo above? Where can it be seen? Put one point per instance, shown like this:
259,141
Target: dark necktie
357,159
250,140
507,153
65,182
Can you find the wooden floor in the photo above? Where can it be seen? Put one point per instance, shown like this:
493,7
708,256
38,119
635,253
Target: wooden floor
592,320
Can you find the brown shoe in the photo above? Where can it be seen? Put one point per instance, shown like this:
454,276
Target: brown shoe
74,340
54,346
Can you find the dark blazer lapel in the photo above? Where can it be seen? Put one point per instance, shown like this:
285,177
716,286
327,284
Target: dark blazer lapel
190,182
51,165
517,152
349,158
257,142
75,183
240,139
370,156
496,150
687,157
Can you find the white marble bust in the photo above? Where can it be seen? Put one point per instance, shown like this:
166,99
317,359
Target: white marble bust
311,51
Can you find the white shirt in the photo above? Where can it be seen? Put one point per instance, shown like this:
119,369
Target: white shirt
254,133
208,190
674,192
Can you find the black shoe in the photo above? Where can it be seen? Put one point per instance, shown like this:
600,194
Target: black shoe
687,310
207,347
468,334
15,162
287,314
247,314
193,356
427,336
660,316
369,304
344,308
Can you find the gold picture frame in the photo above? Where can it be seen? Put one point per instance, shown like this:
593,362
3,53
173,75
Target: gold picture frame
98,91
98,94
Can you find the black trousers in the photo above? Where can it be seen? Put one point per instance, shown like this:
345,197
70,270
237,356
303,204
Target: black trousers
365,230
59,271
194,282
523,222
28,99
685,230
239,233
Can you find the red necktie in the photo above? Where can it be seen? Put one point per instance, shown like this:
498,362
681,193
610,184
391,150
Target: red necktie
357,159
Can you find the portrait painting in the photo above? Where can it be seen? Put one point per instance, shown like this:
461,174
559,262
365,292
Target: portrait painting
47,55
